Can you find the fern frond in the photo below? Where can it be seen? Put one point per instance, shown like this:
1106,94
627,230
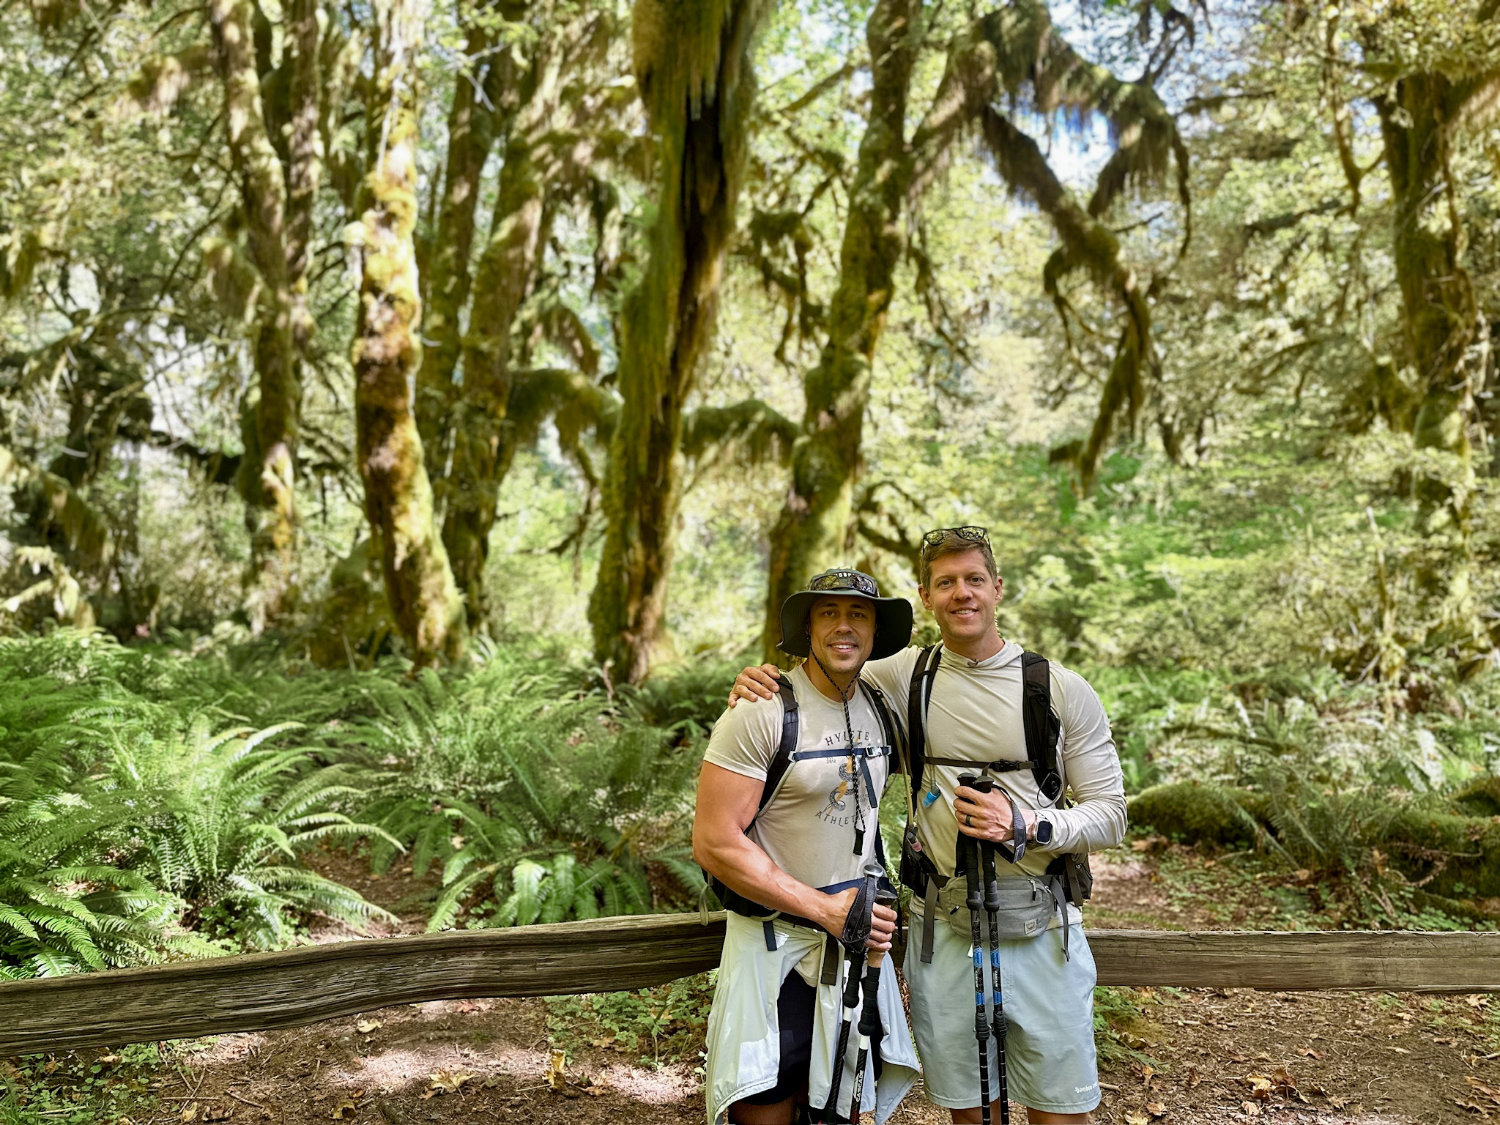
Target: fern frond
448,904
524,904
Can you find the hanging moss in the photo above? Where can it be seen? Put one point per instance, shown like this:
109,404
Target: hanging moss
162,79
1088,245
1015,51
692,64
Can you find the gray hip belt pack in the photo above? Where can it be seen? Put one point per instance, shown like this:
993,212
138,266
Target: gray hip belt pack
1026,907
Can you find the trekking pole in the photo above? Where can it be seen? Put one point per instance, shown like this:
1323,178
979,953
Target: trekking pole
871,872
969,853
869,1016
851,998
997,997
992,910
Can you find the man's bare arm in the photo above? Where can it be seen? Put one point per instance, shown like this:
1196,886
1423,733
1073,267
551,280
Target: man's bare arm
727,803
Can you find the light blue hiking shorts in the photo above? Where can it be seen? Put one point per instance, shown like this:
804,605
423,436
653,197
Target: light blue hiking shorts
1050,1059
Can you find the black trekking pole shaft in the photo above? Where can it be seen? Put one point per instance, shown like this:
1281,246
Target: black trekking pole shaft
869,1016
997,996
975,903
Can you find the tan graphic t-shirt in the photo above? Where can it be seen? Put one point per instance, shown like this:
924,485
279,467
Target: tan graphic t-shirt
807,828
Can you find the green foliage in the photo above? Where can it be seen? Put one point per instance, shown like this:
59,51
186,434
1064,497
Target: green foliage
62,908
228,817
121,819
686,698
540,803
536,798
1327,777
83,1087
655,1025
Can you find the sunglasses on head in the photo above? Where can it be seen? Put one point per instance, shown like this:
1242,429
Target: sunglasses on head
845,580
972,532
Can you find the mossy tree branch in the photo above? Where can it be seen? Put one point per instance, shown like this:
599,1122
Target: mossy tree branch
1017,52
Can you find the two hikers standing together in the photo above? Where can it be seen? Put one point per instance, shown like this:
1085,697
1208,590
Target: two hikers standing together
1010,778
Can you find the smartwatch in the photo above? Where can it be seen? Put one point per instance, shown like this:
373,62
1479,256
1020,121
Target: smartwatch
1042,833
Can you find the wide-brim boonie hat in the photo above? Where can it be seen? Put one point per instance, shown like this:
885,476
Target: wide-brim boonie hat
892,615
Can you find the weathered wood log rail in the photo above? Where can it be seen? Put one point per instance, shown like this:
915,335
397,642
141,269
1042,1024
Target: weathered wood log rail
311,983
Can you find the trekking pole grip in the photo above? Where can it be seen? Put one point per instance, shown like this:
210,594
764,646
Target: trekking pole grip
976,782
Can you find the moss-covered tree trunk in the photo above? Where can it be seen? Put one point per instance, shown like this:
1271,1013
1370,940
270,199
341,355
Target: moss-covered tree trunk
473,121
826,460
1440,316
303,160
506,272
398,496
692,62
272,511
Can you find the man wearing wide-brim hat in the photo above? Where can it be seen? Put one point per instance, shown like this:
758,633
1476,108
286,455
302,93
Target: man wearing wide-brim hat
790,861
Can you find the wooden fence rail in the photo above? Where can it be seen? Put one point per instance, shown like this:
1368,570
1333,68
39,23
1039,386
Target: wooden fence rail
311,983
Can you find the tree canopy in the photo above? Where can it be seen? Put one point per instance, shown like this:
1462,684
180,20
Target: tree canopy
380,329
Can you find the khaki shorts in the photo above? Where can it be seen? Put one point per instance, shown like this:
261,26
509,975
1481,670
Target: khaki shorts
1051,1064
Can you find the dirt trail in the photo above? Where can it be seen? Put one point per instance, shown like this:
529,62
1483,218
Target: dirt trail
1182,1057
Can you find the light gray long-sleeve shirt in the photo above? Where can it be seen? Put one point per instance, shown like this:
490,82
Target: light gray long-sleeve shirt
975,715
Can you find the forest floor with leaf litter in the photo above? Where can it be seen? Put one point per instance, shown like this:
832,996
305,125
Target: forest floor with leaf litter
1173,1056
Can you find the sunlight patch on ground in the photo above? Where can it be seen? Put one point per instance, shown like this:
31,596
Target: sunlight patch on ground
654,1087
393,1069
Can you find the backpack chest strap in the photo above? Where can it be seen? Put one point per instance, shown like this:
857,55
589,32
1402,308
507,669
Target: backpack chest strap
999,765
863,756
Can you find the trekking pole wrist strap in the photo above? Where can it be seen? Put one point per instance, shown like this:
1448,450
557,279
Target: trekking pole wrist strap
1016,849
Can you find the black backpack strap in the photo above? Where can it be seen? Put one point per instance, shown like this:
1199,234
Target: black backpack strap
1068,875
892,734
1041,724
888,728
780,762
917,698
790,728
